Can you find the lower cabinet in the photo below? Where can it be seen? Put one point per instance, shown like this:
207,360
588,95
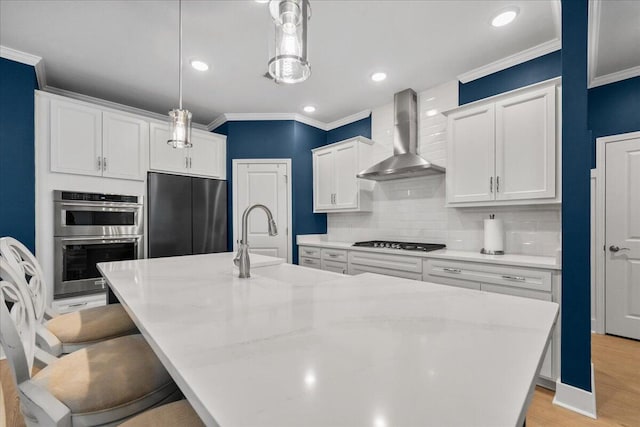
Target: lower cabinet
407,267
68,305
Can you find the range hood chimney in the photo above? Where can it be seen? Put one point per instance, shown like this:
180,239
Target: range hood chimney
404,163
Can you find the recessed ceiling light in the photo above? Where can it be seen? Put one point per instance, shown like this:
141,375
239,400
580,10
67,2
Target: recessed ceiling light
309,109
199,65
505,17
378,77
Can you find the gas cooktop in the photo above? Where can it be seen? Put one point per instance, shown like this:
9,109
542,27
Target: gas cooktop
407,246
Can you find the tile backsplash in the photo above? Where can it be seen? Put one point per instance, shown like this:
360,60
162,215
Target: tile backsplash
414,209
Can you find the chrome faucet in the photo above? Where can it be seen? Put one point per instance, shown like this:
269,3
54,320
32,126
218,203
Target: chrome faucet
241,259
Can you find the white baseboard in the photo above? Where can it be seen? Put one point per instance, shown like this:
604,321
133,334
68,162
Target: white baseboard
576,399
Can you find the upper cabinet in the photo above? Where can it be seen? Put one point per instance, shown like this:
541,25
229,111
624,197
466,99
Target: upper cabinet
89,141
207,156
504,150
335,185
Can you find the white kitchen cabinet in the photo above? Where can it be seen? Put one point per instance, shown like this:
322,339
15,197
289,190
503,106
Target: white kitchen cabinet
335,185
207,156
408,267
503,150
68,305
125,142
76,138
86,140
523,282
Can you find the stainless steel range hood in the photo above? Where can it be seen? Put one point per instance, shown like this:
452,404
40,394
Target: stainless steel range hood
404,163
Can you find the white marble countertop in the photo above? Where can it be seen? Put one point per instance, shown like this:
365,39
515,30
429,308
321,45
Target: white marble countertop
293,346
549,263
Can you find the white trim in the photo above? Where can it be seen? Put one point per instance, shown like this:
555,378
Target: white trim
113,105
26,58
511,60
234,189
600,241
597,252
595,17
575,399
615,77
231,117
348,119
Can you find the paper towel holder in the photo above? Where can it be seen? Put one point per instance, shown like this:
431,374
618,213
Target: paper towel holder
486,252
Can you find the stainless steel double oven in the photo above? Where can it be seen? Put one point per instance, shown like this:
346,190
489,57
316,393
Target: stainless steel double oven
91,228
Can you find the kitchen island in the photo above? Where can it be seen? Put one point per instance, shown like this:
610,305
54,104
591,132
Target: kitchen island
293,346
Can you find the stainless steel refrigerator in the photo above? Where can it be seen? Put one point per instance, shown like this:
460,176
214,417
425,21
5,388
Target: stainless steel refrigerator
186,215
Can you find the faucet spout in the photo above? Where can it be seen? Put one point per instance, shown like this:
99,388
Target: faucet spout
241,260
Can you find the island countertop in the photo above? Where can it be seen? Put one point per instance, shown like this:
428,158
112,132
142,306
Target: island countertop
293,346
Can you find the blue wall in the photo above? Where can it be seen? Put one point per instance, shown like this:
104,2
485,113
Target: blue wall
17,161
539,69
614,109
286,139
361,127
576,167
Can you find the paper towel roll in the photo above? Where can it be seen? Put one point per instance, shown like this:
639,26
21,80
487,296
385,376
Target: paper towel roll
493,235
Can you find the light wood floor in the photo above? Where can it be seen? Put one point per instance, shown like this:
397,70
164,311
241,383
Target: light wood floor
617,370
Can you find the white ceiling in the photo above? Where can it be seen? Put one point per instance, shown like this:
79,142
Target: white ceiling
614,30
126,51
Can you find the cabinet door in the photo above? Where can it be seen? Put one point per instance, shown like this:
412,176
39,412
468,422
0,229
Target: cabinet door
124,145
526,146
470,163
206,155
547,366
323,180
162,156
346,184
76,138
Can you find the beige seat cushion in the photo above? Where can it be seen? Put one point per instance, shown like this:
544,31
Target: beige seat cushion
178,413
105,375
92,324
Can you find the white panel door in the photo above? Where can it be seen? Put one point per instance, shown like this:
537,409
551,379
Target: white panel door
471,157
622,229
264,183
206,155
124,145
323,179
162,156
76,138
526,146
345,160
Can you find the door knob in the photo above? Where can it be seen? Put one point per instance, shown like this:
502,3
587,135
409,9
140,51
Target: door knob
614,248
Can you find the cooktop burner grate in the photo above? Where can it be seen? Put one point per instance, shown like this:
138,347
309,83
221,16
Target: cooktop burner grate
407,246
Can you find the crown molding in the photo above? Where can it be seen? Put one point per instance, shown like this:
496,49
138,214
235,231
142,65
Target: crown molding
27,59
614,77
510,61
234,117
112,105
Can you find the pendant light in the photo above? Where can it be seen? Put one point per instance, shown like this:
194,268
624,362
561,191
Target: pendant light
289,62
180,119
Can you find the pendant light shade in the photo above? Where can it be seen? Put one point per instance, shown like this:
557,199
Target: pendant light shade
288,61
180,119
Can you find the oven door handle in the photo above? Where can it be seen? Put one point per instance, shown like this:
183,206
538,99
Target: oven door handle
102,206
98,240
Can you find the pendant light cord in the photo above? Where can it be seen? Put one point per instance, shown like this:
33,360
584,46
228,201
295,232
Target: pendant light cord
180,50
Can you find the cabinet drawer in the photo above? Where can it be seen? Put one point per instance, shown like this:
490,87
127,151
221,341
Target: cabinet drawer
406,264
334,255
310,262
309,252
336,267
359,269
68,305
537,280
467,284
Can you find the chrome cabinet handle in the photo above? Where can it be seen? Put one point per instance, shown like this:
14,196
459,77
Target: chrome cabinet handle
99,163
517,278
190,162
497,184
490,184
452,270
614,248
333,255
80,304
104,163
308,261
